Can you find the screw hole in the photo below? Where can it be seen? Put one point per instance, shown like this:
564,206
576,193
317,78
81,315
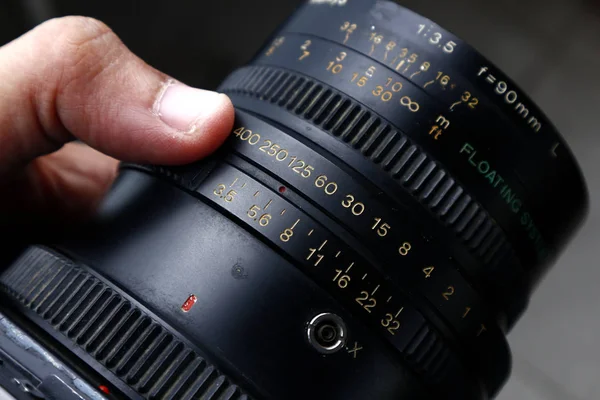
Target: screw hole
326,333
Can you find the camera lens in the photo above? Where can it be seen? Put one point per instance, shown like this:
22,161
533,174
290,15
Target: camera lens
373,229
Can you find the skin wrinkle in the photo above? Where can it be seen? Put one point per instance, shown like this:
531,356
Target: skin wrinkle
80,76
69,52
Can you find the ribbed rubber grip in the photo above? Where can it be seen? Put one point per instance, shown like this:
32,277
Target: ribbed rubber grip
116,333
408,164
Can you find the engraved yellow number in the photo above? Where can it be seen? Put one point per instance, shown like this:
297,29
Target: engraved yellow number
300,167
286,235
349,28
341,279
319,257
335,68
383,95
253,211
425,66
376,38
273,150
230,196
282,155
428,271
304,48
348,202
265,146
470,100
448,293
396,86
356,207
239,131
467,311
329,187
247,135
306,172
444,79
361,82
405,249
382,227
219,190
390,323
366,301
264,219
277,43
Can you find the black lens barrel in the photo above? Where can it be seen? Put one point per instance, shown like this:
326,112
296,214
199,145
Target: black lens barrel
373,228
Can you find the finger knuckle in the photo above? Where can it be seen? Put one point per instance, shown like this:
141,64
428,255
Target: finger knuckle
76,32
84,46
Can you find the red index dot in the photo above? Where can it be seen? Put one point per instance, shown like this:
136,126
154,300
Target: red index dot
189,303
282,189
104,389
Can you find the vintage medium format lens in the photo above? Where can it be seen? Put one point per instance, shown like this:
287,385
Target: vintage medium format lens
373,229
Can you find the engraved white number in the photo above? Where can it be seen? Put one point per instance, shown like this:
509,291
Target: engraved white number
435,39
449,47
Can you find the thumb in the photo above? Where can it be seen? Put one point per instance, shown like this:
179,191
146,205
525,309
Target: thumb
73,78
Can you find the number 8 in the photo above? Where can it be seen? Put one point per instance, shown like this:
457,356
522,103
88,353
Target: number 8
405,249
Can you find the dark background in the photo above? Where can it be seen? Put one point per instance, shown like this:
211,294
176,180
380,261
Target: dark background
550,47
200,41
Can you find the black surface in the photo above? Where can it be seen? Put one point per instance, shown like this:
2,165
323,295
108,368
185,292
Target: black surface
560,231
253,323
197,42
118,336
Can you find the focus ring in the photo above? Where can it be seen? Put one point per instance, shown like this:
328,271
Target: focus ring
113,331
392,151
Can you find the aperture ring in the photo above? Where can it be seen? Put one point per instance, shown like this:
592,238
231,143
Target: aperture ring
340,270
414,261
394,153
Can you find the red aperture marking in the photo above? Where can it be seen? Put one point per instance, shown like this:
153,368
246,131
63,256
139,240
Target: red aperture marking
189,303
104,389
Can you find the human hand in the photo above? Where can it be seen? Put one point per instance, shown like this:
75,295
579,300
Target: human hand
72,78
